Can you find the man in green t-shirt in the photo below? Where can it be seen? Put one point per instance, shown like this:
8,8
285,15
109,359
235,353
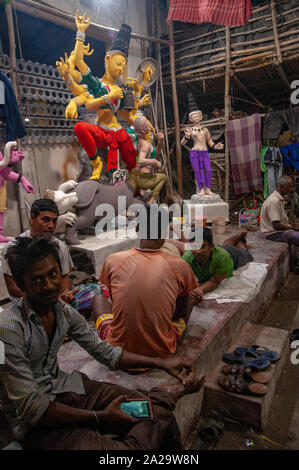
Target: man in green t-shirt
213,263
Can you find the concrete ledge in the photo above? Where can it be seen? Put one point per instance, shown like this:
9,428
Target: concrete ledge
253,410
211,331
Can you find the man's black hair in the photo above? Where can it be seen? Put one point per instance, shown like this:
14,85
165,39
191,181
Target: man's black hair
26,251
43,205
153,222
206,235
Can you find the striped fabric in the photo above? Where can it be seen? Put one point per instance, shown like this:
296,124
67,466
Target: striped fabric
83,298
244,140
103,321
222,12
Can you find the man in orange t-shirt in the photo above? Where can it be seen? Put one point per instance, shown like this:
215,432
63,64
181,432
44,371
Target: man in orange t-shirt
150,297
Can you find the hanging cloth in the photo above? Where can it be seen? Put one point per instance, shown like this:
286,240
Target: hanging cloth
244,140
15,128
222,12
264,170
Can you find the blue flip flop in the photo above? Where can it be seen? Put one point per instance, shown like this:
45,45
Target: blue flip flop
260,352
246,359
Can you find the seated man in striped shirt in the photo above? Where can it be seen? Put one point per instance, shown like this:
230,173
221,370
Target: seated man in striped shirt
56,410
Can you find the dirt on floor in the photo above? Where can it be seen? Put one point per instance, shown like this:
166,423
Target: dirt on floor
279,432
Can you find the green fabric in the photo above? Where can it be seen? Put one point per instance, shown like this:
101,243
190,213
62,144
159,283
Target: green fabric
153,153
94,86
264,170
133,136
220,262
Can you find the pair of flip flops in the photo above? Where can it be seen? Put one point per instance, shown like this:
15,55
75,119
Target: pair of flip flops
241,379
254,356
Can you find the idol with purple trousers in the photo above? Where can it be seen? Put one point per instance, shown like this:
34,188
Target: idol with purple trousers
199,155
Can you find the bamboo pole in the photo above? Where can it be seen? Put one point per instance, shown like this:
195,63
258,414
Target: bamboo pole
222,56
277,45
12,51
217,165
175,111
168,162
227,103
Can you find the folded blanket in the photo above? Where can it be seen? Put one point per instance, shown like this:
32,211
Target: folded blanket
242,287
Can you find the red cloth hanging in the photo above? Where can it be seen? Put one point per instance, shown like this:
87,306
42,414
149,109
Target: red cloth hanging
222,12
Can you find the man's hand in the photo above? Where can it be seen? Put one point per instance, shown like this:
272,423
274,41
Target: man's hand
68,296
296,226
113,415
197,295
81,22
177,367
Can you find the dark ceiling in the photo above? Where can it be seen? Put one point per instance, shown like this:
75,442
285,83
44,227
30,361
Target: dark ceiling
45,42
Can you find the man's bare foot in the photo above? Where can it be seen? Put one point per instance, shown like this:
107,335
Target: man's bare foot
202,192
243,236
208,192
192,385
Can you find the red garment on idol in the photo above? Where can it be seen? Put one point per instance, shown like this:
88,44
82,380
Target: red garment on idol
92,137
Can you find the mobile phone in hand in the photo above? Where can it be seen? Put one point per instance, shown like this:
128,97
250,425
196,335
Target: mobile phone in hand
138,408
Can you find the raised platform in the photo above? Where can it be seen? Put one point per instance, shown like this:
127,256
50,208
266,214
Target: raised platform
217,209
211,331
97,249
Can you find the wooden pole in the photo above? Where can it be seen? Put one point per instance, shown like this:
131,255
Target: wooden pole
175,111
227,103
12,51
277,46
168,162
274,23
